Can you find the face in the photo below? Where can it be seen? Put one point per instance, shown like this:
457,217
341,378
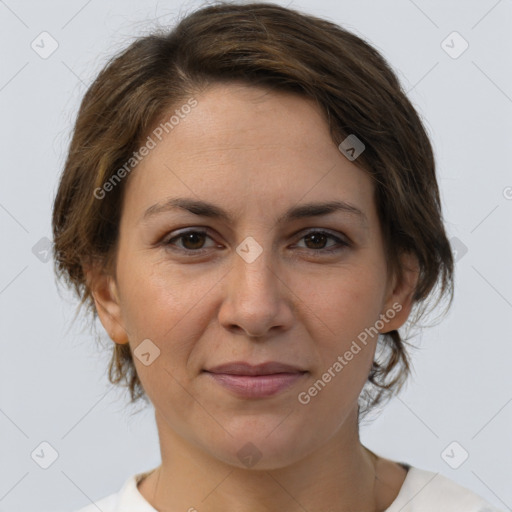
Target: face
269,280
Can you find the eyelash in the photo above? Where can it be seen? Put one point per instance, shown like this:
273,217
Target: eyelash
194,252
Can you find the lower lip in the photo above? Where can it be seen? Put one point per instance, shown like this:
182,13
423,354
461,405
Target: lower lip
256,386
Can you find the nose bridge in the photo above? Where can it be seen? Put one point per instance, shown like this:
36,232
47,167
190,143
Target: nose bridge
254,264
253,300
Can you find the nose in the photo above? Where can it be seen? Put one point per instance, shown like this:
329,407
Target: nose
257,300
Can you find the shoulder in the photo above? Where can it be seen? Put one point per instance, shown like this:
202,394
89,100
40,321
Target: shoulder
126,499
424,491
107,504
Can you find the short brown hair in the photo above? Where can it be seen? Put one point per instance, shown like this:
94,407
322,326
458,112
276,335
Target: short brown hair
287,50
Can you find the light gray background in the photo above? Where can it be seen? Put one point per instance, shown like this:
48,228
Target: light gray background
53,384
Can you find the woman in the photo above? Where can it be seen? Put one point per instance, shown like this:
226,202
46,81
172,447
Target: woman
250,207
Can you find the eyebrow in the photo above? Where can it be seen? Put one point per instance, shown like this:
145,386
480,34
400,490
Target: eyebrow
205,209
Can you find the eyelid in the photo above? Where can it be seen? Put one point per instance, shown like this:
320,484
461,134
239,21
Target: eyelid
182,232
342,241
206,230
325,231
340,238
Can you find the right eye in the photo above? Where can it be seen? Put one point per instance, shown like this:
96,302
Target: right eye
191,241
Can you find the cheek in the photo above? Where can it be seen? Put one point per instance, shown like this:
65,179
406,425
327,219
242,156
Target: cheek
167,304
163,305
342,315
343,311
345,302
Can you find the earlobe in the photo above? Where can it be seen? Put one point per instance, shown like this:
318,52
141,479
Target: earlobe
106,299
400,300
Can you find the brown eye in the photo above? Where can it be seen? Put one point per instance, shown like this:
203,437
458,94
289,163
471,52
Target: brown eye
193,240
317,240
188,241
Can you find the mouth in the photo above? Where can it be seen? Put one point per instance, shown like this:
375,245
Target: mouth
244,368
255,381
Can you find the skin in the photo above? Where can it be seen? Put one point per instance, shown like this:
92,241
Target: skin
255,154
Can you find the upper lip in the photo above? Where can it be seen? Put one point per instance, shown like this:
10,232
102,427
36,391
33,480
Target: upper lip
243,368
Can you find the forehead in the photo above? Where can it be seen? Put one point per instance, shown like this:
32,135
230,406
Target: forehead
246,145
235,115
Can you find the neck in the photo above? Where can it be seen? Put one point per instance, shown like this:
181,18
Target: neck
341,475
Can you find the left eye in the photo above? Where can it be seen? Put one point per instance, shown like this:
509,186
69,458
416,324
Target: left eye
193,240
320,238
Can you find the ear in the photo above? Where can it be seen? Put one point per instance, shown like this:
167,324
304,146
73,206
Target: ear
399,300
106,299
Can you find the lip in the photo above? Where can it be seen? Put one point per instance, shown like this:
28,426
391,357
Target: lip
243,368
255,381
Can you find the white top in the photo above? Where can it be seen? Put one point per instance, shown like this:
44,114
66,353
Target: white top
422,491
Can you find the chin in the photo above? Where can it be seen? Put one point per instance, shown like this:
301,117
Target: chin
266,446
